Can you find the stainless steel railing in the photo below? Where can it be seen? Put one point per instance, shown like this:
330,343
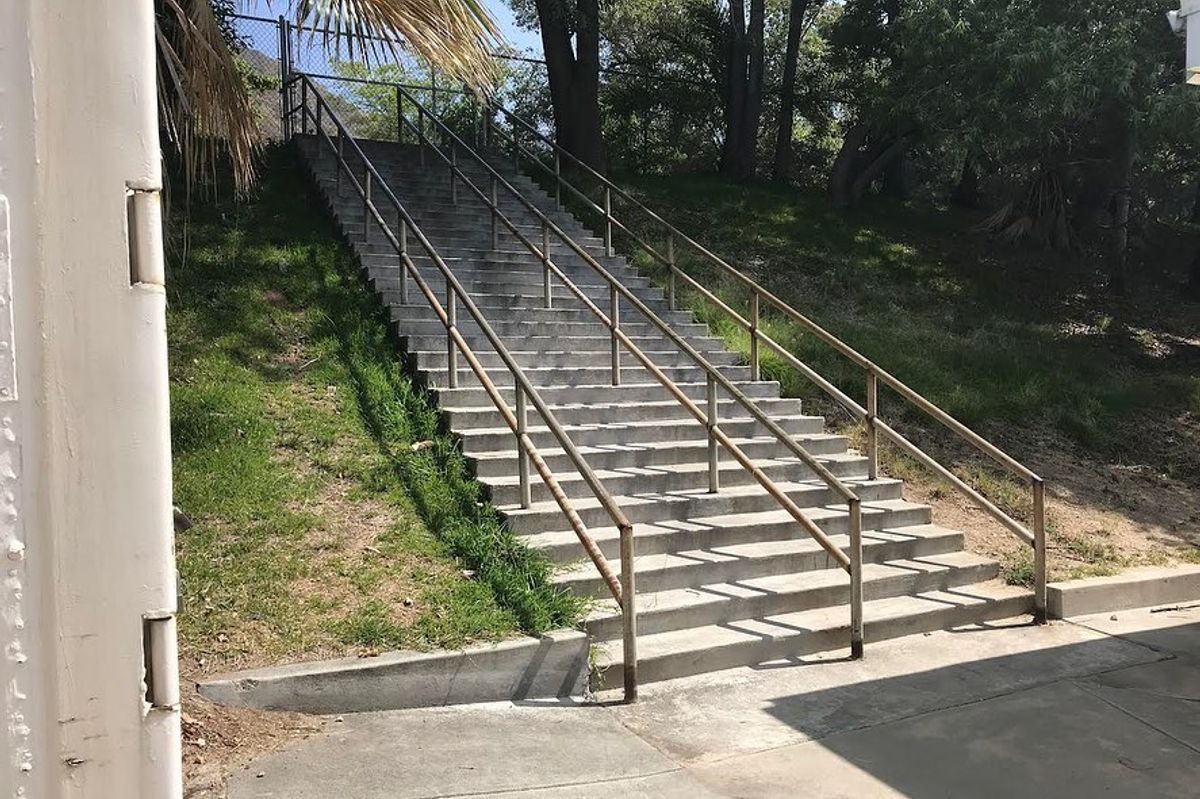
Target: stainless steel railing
313,108
873,373
851,562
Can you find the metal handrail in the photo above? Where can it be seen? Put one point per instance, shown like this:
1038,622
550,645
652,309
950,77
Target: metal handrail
624,591
852,563
875,374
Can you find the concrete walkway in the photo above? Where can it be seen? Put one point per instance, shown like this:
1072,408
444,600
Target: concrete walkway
1104,706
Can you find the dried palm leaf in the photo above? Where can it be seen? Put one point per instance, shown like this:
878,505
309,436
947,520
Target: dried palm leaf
205,108
456,36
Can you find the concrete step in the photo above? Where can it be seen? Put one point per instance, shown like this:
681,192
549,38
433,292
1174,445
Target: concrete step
626,456
580,375
476,417
674,569
632,433
627,392
758,597
682,506
489,359
680,653
661,479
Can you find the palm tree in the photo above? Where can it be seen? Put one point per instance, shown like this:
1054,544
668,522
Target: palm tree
204,101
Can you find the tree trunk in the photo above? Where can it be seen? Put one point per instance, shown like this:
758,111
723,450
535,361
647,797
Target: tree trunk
744,74
782,168
1122,200
841,175
878,165
966,193
1196,205
574,74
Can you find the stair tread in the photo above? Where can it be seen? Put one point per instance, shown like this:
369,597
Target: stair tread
481,431
793,582
800,544
650,446
800,623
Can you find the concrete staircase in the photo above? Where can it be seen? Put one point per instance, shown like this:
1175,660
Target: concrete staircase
723,579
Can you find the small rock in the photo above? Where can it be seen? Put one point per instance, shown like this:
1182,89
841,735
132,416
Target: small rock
467,574
420,445
200,742
408,603
338,720
260,775
1112,617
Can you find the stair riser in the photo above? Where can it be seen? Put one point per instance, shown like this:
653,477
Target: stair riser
490,360
475,397
702,505
685,452
728,571
579,344
536,320
581,376
651,621
502,440
685,664
619,485
484,418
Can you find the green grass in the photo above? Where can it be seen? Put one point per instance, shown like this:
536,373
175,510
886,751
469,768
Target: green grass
1003,339
320,528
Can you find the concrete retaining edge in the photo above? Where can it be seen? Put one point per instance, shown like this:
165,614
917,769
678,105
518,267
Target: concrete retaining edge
554,665
1135,588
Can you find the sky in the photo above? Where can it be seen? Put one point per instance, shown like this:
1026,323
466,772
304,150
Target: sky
522,40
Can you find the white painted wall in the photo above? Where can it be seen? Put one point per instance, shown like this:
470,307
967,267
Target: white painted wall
1190,12
85,518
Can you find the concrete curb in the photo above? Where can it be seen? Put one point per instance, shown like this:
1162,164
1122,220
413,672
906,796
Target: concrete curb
554,665
1136,588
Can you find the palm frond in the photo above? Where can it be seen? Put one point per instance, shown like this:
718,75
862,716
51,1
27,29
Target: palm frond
456,36
205,108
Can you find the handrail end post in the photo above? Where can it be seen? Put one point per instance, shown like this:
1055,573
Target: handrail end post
629,615
856,579
872,430
1040,604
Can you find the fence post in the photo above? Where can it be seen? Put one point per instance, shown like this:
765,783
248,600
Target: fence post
755,371
451,351
284,90
1040,608
614,316
872,431
854,506
453,177
629,615
421,133
341,159
714,474
304,107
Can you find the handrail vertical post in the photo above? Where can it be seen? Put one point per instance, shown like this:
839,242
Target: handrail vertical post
399,115
854,507
714,472
367,207
341,159
1040,609
433,86
547,297
671,271
755,371
495,209
318,104
487,124
453,177
421,133
452,323
522,455
872,430
614,316
608,236
403,261
558,181
629,615
516,153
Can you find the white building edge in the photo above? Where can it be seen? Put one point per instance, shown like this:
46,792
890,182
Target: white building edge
88,594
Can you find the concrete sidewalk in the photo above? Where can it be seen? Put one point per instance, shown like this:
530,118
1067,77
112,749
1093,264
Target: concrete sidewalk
1105,705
